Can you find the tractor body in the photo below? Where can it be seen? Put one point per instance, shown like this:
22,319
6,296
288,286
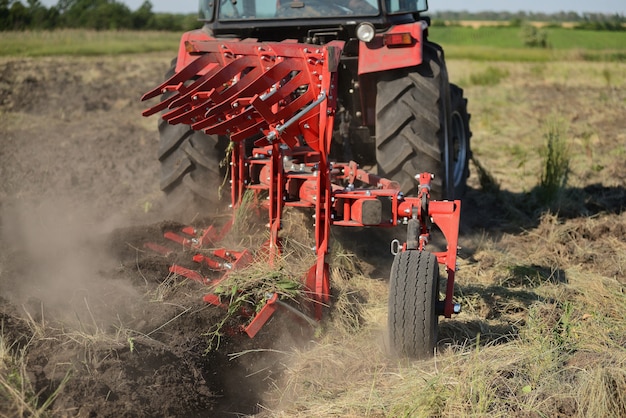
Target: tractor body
304,94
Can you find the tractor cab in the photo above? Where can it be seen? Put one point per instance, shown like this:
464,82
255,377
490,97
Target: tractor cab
275,20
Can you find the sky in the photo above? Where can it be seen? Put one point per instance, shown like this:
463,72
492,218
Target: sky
546,6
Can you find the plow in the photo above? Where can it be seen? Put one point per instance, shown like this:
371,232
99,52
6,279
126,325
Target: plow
281,107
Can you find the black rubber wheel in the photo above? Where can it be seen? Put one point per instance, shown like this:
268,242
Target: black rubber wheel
190,160
413,296
460,140
413,126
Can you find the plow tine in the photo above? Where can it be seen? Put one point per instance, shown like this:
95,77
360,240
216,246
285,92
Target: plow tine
158,108
270,89
184,75
253,89
216,88
219,78
190,274
240,122
251,131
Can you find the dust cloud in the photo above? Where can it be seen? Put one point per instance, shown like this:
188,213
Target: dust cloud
59,265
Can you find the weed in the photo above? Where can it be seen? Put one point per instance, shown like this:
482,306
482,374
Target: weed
17,397
491,76
556,162
607,75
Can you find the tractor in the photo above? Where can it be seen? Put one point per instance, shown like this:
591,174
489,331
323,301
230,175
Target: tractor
342,108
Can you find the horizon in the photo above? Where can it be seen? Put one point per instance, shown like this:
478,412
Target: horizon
609,7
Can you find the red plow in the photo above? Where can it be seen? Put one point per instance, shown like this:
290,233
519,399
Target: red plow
276,102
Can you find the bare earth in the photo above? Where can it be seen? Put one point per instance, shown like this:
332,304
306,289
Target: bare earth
78,170
101,318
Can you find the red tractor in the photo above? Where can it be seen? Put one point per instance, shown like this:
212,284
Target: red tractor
290,89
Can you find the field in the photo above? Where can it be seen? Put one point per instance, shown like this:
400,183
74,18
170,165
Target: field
92,325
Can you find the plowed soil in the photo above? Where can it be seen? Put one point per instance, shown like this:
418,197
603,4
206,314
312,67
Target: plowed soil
79,198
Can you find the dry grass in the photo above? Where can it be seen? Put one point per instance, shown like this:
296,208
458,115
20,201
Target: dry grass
542,328
543,348
17,397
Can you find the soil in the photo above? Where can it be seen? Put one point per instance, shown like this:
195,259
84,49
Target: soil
100,317
97,314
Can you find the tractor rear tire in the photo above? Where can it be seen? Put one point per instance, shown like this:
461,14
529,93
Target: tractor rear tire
460,140
413,296
413,127
190,160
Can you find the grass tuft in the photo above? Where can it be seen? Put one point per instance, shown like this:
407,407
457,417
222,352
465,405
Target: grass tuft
556,163
491,76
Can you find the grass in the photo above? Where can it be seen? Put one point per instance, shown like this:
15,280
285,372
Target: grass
507,44
17,397
484,44
555,166
489,77
80,42
563,358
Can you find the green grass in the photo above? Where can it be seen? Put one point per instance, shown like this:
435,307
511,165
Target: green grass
85,42
556,163
506,44
482,44
511,37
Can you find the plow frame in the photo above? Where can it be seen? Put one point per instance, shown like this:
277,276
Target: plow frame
277,102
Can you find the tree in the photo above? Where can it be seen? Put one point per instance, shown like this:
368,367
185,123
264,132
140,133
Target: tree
142,18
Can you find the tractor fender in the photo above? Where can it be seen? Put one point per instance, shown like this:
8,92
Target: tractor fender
377,55
184,57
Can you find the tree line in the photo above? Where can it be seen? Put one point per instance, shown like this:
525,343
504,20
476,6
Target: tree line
112,15
89,14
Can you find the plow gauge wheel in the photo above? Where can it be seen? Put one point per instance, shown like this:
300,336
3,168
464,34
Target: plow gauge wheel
413,295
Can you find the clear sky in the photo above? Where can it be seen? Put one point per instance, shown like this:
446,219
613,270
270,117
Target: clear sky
547,6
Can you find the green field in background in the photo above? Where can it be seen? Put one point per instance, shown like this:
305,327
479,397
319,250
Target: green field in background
506,44
85,42
484,43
